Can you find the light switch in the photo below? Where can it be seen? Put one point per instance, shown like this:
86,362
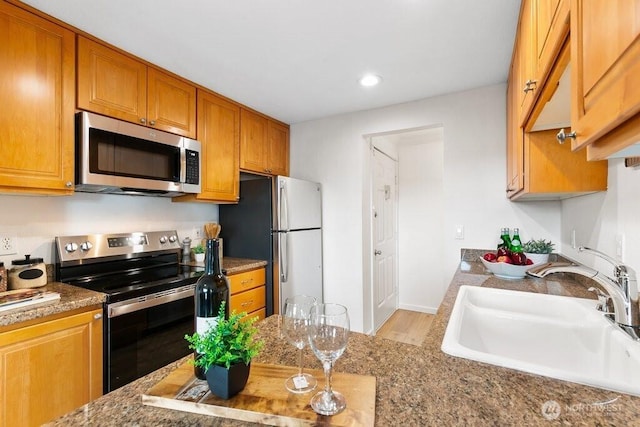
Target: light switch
460,232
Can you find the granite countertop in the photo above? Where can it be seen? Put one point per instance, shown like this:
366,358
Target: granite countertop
416,385
234,265
71,298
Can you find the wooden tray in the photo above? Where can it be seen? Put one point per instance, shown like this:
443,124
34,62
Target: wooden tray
265,400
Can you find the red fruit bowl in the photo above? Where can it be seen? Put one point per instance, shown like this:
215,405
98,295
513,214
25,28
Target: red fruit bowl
504,270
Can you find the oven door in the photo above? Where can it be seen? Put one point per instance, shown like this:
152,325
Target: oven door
146,333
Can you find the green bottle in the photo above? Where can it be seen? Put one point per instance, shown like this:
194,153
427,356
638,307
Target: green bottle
505,242
516,244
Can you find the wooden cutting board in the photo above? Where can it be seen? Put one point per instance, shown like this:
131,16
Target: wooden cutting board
265,400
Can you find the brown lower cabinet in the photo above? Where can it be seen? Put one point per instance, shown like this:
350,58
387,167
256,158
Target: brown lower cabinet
248,293
50,367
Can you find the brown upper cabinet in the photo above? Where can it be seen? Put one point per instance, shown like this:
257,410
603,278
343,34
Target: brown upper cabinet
543,28
117,85
219,134
538,168
37,89
264,144
605,56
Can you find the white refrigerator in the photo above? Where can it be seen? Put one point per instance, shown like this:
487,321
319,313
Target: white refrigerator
297,239
278,219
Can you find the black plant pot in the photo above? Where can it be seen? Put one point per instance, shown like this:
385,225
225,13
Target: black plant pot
226,383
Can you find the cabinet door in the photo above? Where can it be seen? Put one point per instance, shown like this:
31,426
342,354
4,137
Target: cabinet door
527,64
111,83
253,142
241,282
219,134
552,28
515,133
278,159
171,104
605,47
248,301
50,368
37,81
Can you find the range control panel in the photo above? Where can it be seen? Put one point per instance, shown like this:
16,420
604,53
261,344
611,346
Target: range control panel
91,246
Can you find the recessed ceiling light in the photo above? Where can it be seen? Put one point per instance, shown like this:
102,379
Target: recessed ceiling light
370,80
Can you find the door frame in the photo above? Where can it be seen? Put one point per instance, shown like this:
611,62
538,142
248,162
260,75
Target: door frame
367,221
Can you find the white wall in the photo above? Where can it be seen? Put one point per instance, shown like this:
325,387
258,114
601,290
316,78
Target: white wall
334,152
36,220
421,223
601,219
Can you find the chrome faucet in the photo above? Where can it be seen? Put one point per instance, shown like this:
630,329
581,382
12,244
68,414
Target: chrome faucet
622,289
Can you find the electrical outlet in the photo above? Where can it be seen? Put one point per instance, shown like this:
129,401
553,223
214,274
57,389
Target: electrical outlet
8,245
197,233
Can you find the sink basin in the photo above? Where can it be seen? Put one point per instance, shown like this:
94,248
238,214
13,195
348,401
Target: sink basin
555,336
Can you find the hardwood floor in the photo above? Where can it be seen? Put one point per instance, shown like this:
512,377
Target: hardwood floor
410,327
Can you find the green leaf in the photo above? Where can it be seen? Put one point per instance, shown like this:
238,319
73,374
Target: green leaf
229,342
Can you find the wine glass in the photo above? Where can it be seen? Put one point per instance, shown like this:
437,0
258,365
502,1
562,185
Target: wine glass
328,335
295,323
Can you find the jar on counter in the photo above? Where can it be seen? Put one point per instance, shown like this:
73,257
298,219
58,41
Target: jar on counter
3,277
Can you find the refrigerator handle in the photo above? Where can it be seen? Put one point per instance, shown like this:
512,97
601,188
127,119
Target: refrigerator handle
284,253
283,214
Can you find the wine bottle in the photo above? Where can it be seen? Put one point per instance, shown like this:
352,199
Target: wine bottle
212,288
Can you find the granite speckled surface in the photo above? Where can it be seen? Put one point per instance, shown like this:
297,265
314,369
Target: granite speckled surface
235,265
416,385
71,298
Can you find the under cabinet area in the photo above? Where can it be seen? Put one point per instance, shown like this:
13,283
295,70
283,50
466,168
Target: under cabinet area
50,367
36,116
120,86
248,293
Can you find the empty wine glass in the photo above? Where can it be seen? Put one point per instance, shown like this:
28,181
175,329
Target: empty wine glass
328,335
295,324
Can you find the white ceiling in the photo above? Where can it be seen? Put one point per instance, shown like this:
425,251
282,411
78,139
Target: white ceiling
298,60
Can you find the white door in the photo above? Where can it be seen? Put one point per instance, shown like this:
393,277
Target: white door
385,257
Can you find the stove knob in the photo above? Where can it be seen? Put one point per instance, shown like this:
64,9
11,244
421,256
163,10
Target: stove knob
163,239
173,238
71,247
85,246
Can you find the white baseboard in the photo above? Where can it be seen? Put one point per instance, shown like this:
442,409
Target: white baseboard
419,308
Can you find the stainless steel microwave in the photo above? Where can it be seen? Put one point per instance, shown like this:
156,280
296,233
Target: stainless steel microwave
118,157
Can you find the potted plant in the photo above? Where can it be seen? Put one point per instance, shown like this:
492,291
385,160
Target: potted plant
226,351
198,252
538,250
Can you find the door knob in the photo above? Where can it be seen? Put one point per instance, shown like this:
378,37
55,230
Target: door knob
377,252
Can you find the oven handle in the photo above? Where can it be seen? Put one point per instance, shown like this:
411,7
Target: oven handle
147,301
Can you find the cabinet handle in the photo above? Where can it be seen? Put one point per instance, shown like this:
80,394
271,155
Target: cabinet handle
562,136
530,85
152,122
247,303
97,316
68,184
143,120
244,282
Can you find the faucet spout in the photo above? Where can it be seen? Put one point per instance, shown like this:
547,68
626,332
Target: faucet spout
623,291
